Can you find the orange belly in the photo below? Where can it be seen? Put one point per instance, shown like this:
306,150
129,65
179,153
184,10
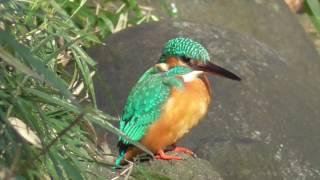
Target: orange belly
185,108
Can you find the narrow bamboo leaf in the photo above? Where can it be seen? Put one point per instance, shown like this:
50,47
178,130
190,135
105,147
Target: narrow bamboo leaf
55,81
50,99
107,22
24,109
76,48
60,10
40,45
43,122
4,95
111,128
87,78
78,161
84,56
315,7
132,4
53,56
50,167
91,37
80,6
70,169
8,58
56,164
103,115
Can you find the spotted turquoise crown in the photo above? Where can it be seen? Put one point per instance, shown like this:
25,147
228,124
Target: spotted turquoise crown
184,47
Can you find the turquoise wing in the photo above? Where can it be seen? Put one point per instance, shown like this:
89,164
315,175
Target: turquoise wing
143,106
146,100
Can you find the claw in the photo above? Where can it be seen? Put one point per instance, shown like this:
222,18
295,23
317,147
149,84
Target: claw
183,150
163,156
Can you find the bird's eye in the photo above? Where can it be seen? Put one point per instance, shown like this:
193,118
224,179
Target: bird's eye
187,60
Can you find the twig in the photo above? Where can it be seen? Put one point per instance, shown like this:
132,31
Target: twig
128,169
60,134
97,158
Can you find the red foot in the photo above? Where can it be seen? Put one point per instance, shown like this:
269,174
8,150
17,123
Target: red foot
163,156
183,150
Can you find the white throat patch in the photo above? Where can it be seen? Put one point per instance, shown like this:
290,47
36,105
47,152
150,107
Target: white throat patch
191,76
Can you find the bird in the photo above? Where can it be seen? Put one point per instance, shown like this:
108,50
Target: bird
168,100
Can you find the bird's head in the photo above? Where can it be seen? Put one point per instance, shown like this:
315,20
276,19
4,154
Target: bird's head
186,52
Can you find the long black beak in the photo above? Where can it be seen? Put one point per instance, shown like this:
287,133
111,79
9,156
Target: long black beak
217,70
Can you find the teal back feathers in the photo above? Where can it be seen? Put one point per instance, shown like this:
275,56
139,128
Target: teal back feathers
184,47
144,104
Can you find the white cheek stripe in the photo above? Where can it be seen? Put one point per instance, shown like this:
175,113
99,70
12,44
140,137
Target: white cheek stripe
191,76
162,66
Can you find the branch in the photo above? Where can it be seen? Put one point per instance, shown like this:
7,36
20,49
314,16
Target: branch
60,134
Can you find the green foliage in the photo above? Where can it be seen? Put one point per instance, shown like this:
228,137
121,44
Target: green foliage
47,95
313,8
105,16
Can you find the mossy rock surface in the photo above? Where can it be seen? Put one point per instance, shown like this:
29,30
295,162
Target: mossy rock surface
188,169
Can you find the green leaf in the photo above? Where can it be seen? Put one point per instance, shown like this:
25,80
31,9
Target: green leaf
56,163
107,22
40,45
79,7
8,58
53,56
51,77
84,56
72,171
108,126
314,6
54,100
87,78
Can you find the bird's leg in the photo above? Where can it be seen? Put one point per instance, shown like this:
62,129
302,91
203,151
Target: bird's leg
183,150
161,155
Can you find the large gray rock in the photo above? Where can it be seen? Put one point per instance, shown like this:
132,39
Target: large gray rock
265,127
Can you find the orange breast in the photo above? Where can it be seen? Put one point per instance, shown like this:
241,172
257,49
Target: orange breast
182,111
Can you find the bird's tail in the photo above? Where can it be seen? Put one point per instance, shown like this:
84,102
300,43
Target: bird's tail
119,159
122,153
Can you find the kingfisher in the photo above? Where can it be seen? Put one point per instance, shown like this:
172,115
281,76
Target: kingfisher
168,100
